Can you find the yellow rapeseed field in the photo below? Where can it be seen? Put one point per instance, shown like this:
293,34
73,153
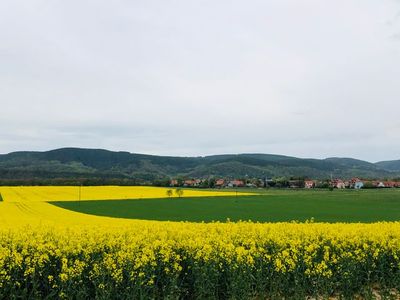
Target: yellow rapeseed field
29,205
49,252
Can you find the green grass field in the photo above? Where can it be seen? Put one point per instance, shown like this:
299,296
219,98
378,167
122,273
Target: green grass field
270,206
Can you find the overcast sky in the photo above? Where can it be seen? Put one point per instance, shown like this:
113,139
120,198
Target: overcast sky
304,78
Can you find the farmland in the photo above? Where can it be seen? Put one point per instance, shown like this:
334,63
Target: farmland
265,206
31,205
47,251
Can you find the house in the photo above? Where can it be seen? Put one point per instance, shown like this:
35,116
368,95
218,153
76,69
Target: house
192,182
390,184
309,184
173,182
256,183
188,182
380,184
338,183
236,183
358,185
219,183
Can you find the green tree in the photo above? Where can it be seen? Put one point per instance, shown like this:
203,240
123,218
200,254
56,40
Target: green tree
211,182
368,185
179,192
281,182
161,182
169,193
180,181
1,198
204,183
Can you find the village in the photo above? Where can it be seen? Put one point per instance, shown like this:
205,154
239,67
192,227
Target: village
353,183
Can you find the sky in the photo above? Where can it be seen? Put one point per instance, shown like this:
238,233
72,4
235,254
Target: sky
308,78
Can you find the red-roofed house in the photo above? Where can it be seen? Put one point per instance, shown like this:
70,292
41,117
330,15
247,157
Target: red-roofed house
309,184
192,182
219,182
390,184
236,183
338,183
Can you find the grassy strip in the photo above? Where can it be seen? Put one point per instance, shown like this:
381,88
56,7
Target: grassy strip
335,206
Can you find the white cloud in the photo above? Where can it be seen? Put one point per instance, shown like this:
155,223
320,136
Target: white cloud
309,78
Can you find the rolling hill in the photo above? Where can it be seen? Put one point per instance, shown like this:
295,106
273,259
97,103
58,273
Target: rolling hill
391,165
99,163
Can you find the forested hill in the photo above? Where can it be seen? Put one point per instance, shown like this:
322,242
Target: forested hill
98,163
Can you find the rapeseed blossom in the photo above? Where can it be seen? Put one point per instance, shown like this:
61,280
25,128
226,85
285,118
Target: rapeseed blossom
46,251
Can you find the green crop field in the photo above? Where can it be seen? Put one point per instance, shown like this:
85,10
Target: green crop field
268,206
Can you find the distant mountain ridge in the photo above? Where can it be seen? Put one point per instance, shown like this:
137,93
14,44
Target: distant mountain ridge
98,163
390,165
